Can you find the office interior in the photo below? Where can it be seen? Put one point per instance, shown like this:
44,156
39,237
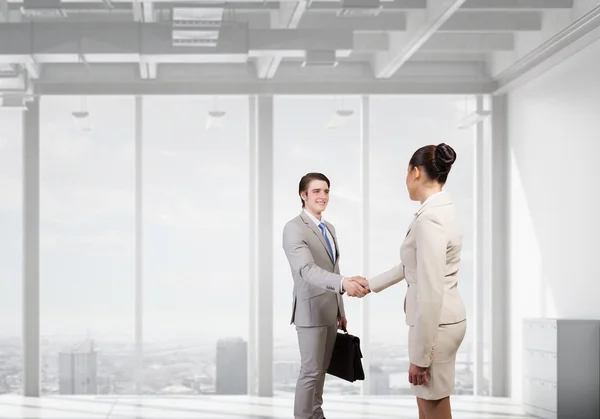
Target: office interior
150,154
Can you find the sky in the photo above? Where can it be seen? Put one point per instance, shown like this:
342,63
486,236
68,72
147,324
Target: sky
195,209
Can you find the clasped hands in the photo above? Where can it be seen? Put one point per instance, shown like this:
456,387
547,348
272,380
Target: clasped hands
357,286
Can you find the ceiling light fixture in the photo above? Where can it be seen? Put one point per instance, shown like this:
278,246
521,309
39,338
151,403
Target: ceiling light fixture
215,117
340,118
473,118
82,118
214,120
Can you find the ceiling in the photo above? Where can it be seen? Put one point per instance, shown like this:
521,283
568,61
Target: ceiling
287,46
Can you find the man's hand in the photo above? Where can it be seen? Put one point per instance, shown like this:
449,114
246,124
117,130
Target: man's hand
342,323
417,375
357,286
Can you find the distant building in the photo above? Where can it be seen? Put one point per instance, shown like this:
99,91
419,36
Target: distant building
380,381
286,371
77,370
106,384
232,366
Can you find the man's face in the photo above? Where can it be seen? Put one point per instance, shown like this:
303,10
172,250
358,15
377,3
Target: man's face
316,197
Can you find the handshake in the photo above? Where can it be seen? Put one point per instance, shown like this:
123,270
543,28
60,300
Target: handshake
357,286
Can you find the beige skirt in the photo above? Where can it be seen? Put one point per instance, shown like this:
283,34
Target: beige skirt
442,369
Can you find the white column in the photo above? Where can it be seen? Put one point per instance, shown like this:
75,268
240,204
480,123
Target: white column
263,224
499,287
364,238
479,278
139,296
253,244
31,249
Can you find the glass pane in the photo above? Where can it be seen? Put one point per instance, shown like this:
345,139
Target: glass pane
87,219
303,143
11,207
195,246
399,126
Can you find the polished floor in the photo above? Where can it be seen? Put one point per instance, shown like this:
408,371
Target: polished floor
229,407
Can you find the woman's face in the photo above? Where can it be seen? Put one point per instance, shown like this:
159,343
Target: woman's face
413,176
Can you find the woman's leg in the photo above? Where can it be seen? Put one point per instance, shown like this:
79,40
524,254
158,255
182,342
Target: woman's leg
438,409
421,411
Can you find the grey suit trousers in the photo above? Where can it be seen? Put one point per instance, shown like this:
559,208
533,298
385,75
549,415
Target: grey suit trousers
316,346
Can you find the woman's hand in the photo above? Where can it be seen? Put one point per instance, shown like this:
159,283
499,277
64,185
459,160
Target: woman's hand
418,375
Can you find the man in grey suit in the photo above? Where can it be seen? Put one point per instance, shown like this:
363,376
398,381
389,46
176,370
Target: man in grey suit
311,247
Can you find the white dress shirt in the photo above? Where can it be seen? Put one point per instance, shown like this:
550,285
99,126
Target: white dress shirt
331,241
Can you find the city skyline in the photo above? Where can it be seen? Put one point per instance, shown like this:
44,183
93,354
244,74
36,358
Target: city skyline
103,367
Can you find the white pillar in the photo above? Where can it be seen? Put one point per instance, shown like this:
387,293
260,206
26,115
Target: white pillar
364,238
252,251
500,284
262,165
479,257
139,296
31,249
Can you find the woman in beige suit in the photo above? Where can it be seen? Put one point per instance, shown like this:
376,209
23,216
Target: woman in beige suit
430,260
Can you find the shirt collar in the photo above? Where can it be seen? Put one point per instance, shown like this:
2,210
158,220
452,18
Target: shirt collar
312,217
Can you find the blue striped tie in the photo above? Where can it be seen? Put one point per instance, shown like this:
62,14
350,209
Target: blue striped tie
322,227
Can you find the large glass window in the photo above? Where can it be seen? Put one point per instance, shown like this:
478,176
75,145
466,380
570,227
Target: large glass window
11,206
195,236
311,136
399,126
195,245
87,245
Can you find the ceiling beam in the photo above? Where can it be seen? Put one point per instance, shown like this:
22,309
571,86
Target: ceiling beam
472,43
268,87
148,68
390,5
257,5
106,41
33,68
288,72
517,4
392,21
497,21
456,57
370,41
28,63
420,29
288,17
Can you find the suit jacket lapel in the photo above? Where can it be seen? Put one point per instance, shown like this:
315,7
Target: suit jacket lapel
411,225
310,224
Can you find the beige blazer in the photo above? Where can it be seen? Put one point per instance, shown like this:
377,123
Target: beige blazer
430,256
317,297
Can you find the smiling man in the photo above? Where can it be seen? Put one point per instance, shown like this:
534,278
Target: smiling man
311,247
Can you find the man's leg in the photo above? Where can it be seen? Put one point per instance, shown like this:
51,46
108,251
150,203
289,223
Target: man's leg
329,344
312,342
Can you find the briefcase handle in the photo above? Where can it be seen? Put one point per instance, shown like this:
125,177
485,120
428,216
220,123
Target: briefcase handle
344,329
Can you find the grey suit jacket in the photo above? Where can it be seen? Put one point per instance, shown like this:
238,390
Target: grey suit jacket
317,298
430,256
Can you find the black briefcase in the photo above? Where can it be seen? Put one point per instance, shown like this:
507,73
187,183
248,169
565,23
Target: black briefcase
346,359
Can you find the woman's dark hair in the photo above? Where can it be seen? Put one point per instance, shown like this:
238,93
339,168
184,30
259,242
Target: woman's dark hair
305,181
436,160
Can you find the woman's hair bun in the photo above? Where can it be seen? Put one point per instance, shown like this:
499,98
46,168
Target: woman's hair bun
444,157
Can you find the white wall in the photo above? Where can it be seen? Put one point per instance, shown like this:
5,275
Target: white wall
554,197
